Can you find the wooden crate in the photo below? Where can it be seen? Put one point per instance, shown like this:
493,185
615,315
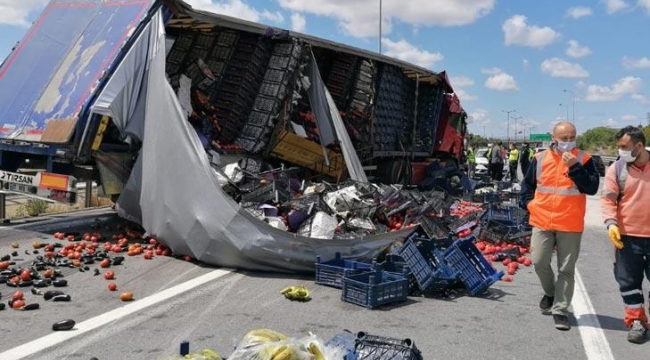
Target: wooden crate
294,149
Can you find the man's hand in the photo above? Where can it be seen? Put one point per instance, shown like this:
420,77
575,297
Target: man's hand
569,159
615,236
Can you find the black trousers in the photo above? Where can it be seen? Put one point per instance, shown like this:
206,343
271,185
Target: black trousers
513,171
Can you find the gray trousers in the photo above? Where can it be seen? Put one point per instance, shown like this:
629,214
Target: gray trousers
568,248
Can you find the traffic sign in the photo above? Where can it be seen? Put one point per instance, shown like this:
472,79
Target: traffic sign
540,137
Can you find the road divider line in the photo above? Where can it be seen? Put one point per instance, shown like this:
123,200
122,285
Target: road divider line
593,337
55,338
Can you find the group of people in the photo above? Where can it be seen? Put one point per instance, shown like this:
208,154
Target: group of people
497,157
554,192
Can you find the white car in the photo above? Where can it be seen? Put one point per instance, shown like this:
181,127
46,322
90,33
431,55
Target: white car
482,162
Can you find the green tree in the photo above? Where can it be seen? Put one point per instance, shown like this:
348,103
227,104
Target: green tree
646,132
599,139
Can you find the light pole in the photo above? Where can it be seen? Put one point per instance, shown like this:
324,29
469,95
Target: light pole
567,111
508,128
517,127
574,104
485,137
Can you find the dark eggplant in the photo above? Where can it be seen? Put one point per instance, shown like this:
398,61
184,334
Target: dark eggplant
63,325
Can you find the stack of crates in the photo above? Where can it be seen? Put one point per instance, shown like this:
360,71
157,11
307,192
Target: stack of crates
277,84
240,84
341,78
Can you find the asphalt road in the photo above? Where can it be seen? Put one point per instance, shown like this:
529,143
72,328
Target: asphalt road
213,308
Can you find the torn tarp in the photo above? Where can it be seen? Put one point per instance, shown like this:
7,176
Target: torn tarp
183,205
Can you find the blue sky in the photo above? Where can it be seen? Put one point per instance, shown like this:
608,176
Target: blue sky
535,57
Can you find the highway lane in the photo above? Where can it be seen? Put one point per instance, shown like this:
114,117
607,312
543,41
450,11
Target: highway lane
505,324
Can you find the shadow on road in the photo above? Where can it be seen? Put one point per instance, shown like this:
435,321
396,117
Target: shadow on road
610,323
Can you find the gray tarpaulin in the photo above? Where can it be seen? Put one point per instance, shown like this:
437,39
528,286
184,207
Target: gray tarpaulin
123,96
176,196
330,124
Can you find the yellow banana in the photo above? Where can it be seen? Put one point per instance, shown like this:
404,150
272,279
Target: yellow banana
265,335
210,354
287,290
315,350
285,354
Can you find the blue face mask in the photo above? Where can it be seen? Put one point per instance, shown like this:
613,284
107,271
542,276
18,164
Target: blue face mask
566,146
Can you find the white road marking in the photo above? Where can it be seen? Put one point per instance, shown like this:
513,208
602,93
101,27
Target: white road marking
593,336
55,338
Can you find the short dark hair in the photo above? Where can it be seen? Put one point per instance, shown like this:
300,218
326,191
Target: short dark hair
635,134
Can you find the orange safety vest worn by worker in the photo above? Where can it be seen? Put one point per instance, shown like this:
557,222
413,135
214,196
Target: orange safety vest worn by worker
558,204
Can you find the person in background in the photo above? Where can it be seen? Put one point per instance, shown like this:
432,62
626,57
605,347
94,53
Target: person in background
554,192
471,160
495,159
513,160
525,156
624,206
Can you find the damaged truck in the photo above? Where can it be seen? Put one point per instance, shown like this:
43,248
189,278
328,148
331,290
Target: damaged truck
212,131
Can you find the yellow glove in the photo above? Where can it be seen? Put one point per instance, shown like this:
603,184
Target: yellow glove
615,236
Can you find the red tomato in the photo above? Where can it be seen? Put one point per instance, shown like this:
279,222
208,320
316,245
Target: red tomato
18,295
109,275
25,275
18,304
507,279
112,286
105,263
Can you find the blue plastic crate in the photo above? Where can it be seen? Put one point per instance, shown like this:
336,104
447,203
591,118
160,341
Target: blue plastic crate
475,271
330,273
427,265
375,288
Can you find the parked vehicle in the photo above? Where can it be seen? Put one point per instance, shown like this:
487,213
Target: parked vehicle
244,77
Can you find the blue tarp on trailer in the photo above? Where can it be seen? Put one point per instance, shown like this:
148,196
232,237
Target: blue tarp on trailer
47,81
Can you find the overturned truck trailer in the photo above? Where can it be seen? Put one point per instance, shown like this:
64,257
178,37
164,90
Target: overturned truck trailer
155,97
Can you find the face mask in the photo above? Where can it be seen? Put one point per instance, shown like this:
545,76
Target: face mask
566,146
627,155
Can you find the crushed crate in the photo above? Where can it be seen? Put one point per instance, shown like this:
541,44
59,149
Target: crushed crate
330,273
475,271
427,264
434,227
372,347
458,224
372,289
506,214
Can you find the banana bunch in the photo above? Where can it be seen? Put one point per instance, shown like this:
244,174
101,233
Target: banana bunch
263,336
296,293
205,354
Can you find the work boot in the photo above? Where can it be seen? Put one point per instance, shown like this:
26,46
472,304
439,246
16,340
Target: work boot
546,304
561,322
637,333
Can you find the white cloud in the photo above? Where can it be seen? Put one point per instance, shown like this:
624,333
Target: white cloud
629,118
517,32
610,122
645,4
625,86
298,22
563,69
641,99
14,12
578,12
406,51
499,80
575,50
614,6
642,63
479,117
360,18
463,95
461,81
236,8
